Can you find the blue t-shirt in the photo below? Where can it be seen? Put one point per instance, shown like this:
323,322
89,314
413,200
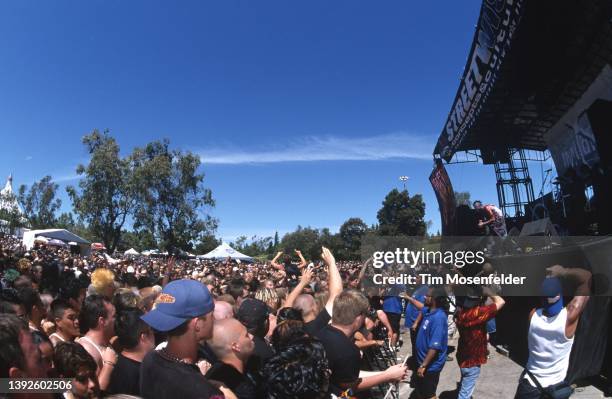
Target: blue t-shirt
433,334
392,302
411,311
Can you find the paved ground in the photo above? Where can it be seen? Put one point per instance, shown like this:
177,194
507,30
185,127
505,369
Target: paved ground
498,378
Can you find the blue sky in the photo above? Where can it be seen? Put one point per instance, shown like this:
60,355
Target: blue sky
303,112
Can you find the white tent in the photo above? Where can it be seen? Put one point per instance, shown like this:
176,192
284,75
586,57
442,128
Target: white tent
131,251
58,234
224,251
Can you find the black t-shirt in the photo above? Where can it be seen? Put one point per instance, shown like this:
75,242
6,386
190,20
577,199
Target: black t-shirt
261,354
262,350
313,326
205,353
161,378
125,377
292,271
239,383
343,357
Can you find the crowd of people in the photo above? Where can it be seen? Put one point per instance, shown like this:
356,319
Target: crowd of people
167,328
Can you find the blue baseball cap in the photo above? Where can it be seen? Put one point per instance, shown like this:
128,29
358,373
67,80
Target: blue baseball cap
552,291
181,300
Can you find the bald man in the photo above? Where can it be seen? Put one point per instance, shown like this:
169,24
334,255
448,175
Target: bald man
314,318
233,345
223,310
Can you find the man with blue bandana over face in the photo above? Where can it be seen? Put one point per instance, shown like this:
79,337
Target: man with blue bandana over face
551,334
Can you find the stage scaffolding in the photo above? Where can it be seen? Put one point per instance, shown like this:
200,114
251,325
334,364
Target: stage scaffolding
514,183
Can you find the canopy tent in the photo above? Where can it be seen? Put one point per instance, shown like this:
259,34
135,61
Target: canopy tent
56,243
55,234
132,252
224,251
154,253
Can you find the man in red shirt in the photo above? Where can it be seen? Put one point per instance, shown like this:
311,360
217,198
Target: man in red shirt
472,348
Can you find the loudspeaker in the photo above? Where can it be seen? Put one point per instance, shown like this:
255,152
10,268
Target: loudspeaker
540,227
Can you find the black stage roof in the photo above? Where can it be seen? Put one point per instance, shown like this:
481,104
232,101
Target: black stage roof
529,62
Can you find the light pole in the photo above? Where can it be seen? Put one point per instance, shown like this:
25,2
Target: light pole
404,179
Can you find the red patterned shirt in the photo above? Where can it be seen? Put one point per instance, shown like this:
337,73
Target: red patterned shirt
472,324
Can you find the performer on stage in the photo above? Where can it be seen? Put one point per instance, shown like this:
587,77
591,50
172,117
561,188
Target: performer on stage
491,216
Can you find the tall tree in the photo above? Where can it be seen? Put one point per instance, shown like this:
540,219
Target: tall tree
206,244
140,240
39,203
306,239
350,233
104,197
402,215
173,203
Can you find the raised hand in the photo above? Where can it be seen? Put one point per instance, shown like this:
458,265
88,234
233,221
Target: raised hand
306,276
327,256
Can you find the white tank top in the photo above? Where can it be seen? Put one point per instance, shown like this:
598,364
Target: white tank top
549,348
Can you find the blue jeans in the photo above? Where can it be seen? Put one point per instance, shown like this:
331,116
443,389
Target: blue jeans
469,376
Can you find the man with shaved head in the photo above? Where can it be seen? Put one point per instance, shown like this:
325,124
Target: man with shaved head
314,318
223,310
233,345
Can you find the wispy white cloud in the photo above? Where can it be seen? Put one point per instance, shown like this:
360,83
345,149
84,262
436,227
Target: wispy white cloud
28,158
66,178
328,148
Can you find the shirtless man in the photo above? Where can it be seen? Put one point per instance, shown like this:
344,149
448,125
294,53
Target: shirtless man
97,323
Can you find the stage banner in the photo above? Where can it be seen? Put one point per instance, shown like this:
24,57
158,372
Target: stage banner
496,27
446,197
571,140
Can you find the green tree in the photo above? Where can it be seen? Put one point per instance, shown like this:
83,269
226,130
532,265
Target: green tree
350,235
66,221
306,239
172,200
39,203
255,246
140,240
402,215
104,198
206,244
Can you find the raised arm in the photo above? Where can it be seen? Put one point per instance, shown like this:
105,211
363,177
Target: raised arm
169,270
334,280
582,279
303,262
274,262
304,281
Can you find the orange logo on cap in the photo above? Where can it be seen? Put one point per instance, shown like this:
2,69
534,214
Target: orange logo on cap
164,298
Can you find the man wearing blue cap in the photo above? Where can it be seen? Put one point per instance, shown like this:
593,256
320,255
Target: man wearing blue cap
551,334
184,311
